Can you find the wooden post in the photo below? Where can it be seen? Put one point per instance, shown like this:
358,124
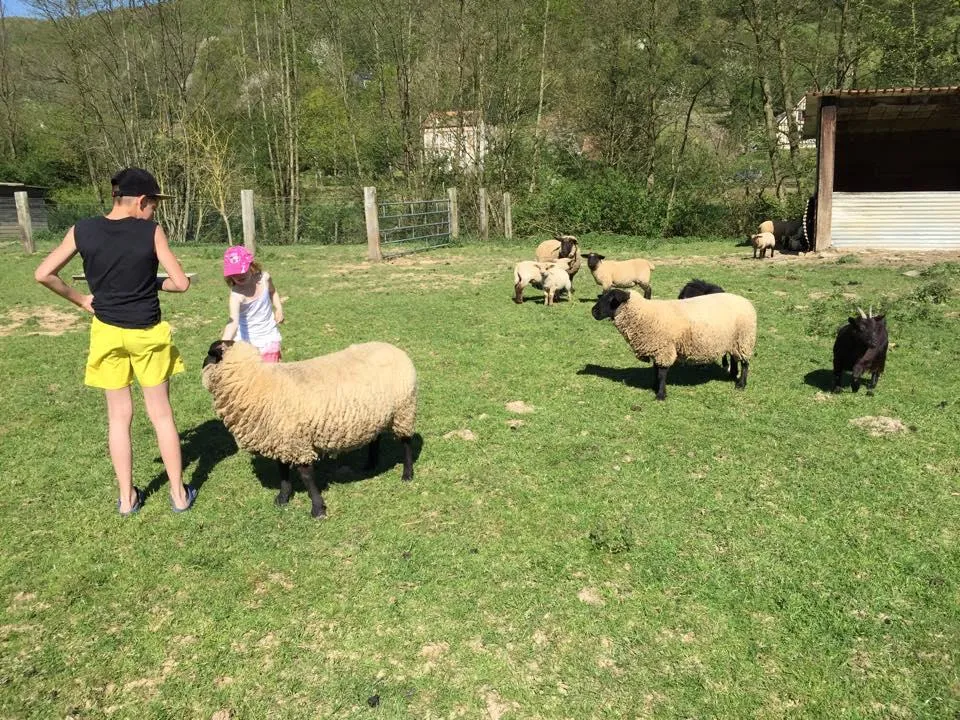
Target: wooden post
484,227
454,213
24,221
249,221
507,217
373,224
826,153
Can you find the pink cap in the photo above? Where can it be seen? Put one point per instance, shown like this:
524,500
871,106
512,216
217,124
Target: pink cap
236,260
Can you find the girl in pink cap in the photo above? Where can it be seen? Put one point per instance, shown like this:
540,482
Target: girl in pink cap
255,307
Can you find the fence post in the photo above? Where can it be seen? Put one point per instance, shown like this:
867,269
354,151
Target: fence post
484,228
507,217
373,224
249,224
24,221
454,213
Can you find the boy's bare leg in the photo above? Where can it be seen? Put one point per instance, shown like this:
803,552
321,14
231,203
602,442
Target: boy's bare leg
119,417
157,399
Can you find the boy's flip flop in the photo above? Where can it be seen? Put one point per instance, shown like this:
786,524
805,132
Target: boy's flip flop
191,493
137,504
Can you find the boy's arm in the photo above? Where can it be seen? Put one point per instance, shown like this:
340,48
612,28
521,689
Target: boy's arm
48,273
178,280
230,331
275,297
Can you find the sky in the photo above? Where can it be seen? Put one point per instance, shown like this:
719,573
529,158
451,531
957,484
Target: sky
13,8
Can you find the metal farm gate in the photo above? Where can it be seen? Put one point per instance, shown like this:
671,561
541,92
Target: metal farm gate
408,226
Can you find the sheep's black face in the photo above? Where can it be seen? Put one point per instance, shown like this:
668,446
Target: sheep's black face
696,287
215,353
568,246
607,304
593,259
871,331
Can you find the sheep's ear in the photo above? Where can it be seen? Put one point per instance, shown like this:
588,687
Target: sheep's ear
881,318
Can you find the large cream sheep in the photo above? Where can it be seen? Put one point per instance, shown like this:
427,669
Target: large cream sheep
697,329
295,412
562,246
620,273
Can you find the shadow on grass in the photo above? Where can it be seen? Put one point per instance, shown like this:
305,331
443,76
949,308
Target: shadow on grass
822,379
207,444
643,377
348,468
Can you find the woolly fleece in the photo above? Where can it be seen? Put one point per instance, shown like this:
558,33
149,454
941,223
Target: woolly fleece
550,250
698,329
622,273
293,412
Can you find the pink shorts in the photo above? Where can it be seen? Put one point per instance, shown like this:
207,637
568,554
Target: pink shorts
271,353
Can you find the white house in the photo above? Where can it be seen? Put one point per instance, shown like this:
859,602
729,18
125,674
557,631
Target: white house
783,127
457,138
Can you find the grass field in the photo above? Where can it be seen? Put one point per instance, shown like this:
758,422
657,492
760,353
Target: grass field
723,554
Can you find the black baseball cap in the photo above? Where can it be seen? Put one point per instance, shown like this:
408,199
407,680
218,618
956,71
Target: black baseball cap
134,182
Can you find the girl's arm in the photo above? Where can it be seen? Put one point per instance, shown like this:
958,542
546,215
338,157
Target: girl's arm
48,273
275,297
178,280
230,331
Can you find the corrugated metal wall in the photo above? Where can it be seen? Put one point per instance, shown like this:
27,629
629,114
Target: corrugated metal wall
901,220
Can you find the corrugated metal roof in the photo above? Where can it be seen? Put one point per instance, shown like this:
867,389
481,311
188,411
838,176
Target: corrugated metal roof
896,220
880,92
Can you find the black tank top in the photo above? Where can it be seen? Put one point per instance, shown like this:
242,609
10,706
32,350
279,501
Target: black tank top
120,262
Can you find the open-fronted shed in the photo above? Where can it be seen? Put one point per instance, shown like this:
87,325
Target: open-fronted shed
888,167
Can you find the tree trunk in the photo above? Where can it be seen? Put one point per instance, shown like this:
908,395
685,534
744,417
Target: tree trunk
543,73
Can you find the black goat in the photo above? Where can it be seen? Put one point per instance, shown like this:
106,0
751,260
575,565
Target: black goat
698,287
695,288
861,346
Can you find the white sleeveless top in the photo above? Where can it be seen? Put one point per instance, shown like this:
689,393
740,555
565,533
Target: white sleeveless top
257,324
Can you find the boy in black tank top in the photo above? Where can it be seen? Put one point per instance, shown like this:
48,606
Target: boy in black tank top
121,252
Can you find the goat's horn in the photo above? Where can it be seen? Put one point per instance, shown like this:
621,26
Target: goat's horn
870,313
860,310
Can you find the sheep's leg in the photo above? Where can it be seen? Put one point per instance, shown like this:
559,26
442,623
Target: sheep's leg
742,380
725,362
661,371
733,367
318,508
874,377
407,459
373,453
286,487
518,294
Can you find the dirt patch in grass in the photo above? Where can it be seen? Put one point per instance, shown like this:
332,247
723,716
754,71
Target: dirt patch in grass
520,407
879,425
40,320
868,257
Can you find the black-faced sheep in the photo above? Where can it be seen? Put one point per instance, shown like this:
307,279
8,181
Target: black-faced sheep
294,412
861,346
562,246
696,329
622,274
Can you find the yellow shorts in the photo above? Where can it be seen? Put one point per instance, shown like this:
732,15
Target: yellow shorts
117,354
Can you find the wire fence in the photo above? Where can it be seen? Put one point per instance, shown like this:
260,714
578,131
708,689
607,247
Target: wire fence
279,221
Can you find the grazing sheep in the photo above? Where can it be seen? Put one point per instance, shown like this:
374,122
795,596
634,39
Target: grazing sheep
763,241
529,272
696,329
562,246
861,345
293,412
621,273
696,288
555,281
